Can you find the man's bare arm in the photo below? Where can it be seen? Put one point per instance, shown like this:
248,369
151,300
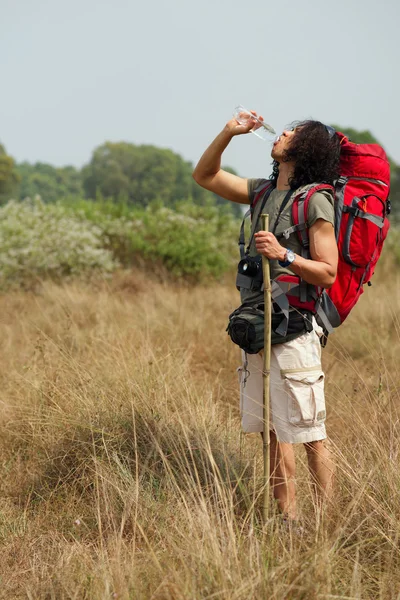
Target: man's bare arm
208,172
322,269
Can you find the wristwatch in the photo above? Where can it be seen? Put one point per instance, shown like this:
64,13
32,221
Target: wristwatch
289,258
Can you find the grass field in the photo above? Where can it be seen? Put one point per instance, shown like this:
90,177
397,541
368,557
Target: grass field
123,470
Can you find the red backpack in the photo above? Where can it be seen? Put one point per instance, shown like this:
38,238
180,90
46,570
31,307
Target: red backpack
361,226
361,205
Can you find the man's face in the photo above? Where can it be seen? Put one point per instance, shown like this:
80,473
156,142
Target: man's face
282,143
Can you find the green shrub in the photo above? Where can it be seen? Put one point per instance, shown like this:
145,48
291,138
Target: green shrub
39,240
392,243
80,237
191,241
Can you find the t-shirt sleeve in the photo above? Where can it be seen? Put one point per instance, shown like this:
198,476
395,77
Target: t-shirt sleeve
252,186
321,207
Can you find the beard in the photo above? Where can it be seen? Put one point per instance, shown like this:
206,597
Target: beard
277,155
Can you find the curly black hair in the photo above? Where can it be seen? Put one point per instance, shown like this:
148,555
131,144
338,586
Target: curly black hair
315,150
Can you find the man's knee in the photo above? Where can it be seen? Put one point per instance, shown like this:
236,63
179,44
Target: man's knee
314,447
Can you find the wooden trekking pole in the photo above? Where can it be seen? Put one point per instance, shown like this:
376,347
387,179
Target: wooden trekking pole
266,373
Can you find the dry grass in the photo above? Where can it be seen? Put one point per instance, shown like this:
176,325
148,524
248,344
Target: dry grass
124,474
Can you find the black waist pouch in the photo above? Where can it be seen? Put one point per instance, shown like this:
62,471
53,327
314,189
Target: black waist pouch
246,327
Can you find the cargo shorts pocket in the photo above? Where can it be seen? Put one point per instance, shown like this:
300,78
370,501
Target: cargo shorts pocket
306,399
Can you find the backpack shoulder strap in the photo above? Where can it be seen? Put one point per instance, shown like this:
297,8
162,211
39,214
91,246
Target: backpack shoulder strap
242,242
300,223
260,192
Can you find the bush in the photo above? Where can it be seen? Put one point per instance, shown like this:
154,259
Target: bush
81,237
392,243
38,240
191,241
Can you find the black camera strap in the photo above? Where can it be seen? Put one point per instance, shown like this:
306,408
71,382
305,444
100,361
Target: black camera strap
241,236
254,224
281,209
243,252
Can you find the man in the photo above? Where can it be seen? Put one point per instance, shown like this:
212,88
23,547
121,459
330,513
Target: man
306,154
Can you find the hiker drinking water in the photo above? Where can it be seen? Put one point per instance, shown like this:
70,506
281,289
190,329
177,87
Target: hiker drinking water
306,154
302,248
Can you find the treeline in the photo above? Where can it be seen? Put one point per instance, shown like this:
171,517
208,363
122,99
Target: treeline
135,175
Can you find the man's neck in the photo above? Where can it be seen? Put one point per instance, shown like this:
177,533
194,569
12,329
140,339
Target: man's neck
285,173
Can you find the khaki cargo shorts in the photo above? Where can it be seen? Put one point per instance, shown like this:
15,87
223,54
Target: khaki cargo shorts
297,400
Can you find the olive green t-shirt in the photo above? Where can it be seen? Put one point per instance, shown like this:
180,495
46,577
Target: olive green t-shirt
320,207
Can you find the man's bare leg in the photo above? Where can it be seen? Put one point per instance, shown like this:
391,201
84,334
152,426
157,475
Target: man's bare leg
321,468
283,470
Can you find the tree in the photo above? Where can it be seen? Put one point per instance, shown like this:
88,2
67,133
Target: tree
50,183
358,137
142,174
395,192
9,177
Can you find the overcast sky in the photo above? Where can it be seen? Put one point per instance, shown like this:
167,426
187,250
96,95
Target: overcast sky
79,72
